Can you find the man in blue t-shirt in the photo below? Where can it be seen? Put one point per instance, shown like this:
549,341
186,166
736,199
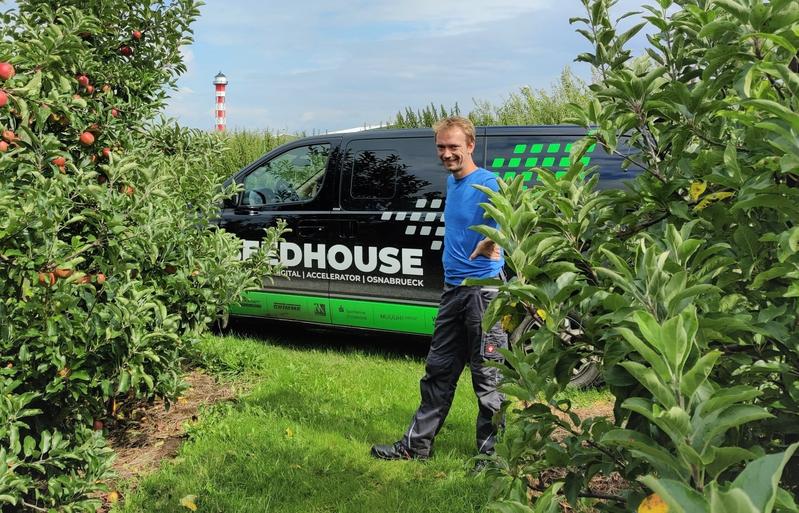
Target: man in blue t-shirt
458,338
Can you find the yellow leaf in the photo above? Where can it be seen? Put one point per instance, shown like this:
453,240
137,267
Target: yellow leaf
653,504
507,322
712,198
541,313
188,502
289,433
697,188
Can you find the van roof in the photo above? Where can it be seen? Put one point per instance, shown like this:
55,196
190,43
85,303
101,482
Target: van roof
380,133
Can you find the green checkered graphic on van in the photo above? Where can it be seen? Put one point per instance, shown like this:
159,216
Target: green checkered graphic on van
553,155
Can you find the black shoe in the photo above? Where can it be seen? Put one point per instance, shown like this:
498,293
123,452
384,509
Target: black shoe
479,466
395,451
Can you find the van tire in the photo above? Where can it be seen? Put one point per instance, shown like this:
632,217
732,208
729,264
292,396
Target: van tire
586,374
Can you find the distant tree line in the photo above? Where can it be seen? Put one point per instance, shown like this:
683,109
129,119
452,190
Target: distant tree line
525,107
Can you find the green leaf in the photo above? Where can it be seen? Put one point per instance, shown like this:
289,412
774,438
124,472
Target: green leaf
28,445
760,479
679,497
697,375
731,163
740,11
647,377
506,506
785,502
725,457
731,501
724,397
650,329
652,358
678,332
549,501
777,109
717,425
648,449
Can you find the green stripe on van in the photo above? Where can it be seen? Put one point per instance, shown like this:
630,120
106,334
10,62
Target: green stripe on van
342,312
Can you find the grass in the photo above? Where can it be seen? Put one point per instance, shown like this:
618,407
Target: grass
299,440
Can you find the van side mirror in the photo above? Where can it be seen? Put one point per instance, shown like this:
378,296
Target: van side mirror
232,202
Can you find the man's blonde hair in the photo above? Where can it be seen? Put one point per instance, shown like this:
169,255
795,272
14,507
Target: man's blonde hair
464,124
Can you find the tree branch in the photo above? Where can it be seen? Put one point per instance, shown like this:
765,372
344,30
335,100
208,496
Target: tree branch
33,507
626,234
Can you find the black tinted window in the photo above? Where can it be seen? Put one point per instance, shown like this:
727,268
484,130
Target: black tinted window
391,174
375,174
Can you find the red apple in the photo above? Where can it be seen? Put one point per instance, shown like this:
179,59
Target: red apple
83,80
63,273
3,98
126,50
100,278
136,34
114,113
86,138
6,70
97,425
90,89
9,136
3,146
59,161
106,152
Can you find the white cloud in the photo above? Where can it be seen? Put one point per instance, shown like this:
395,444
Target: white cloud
448,17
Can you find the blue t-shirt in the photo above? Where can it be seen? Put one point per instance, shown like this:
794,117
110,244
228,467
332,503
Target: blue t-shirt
460,212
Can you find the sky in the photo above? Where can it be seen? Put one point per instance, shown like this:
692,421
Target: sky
317,66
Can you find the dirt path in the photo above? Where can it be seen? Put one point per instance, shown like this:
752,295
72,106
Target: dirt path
153,434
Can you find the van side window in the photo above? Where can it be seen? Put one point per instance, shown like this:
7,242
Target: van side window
374,174
511,156
293,176
391,174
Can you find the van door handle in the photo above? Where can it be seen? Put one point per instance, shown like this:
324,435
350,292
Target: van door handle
349,229
309,230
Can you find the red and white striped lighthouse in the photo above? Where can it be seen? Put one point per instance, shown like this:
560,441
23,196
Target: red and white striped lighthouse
220,83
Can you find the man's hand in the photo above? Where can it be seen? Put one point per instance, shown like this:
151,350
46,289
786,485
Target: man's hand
487,248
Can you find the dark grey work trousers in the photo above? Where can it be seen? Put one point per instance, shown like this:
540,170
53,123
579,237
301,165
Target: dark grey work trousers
458,340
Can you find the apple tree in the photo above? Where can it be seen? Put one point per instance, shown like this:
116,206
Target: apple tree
109,263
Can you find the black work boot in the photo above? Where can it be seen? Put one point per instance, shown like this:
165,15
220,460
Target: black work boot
395,451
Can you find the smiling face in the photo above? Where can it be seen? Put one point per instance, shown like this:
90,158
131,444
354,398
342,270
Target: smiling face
455,151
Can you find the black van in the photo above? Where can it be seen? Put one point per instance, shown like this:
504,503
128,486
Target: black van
365,211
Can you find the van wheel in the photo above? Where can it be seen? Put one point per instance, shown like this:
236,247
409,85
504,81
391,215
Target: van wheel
585,374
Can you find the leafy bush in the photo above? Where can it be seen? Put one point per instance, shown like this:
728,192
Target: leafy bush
242,147
686,284
108,267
